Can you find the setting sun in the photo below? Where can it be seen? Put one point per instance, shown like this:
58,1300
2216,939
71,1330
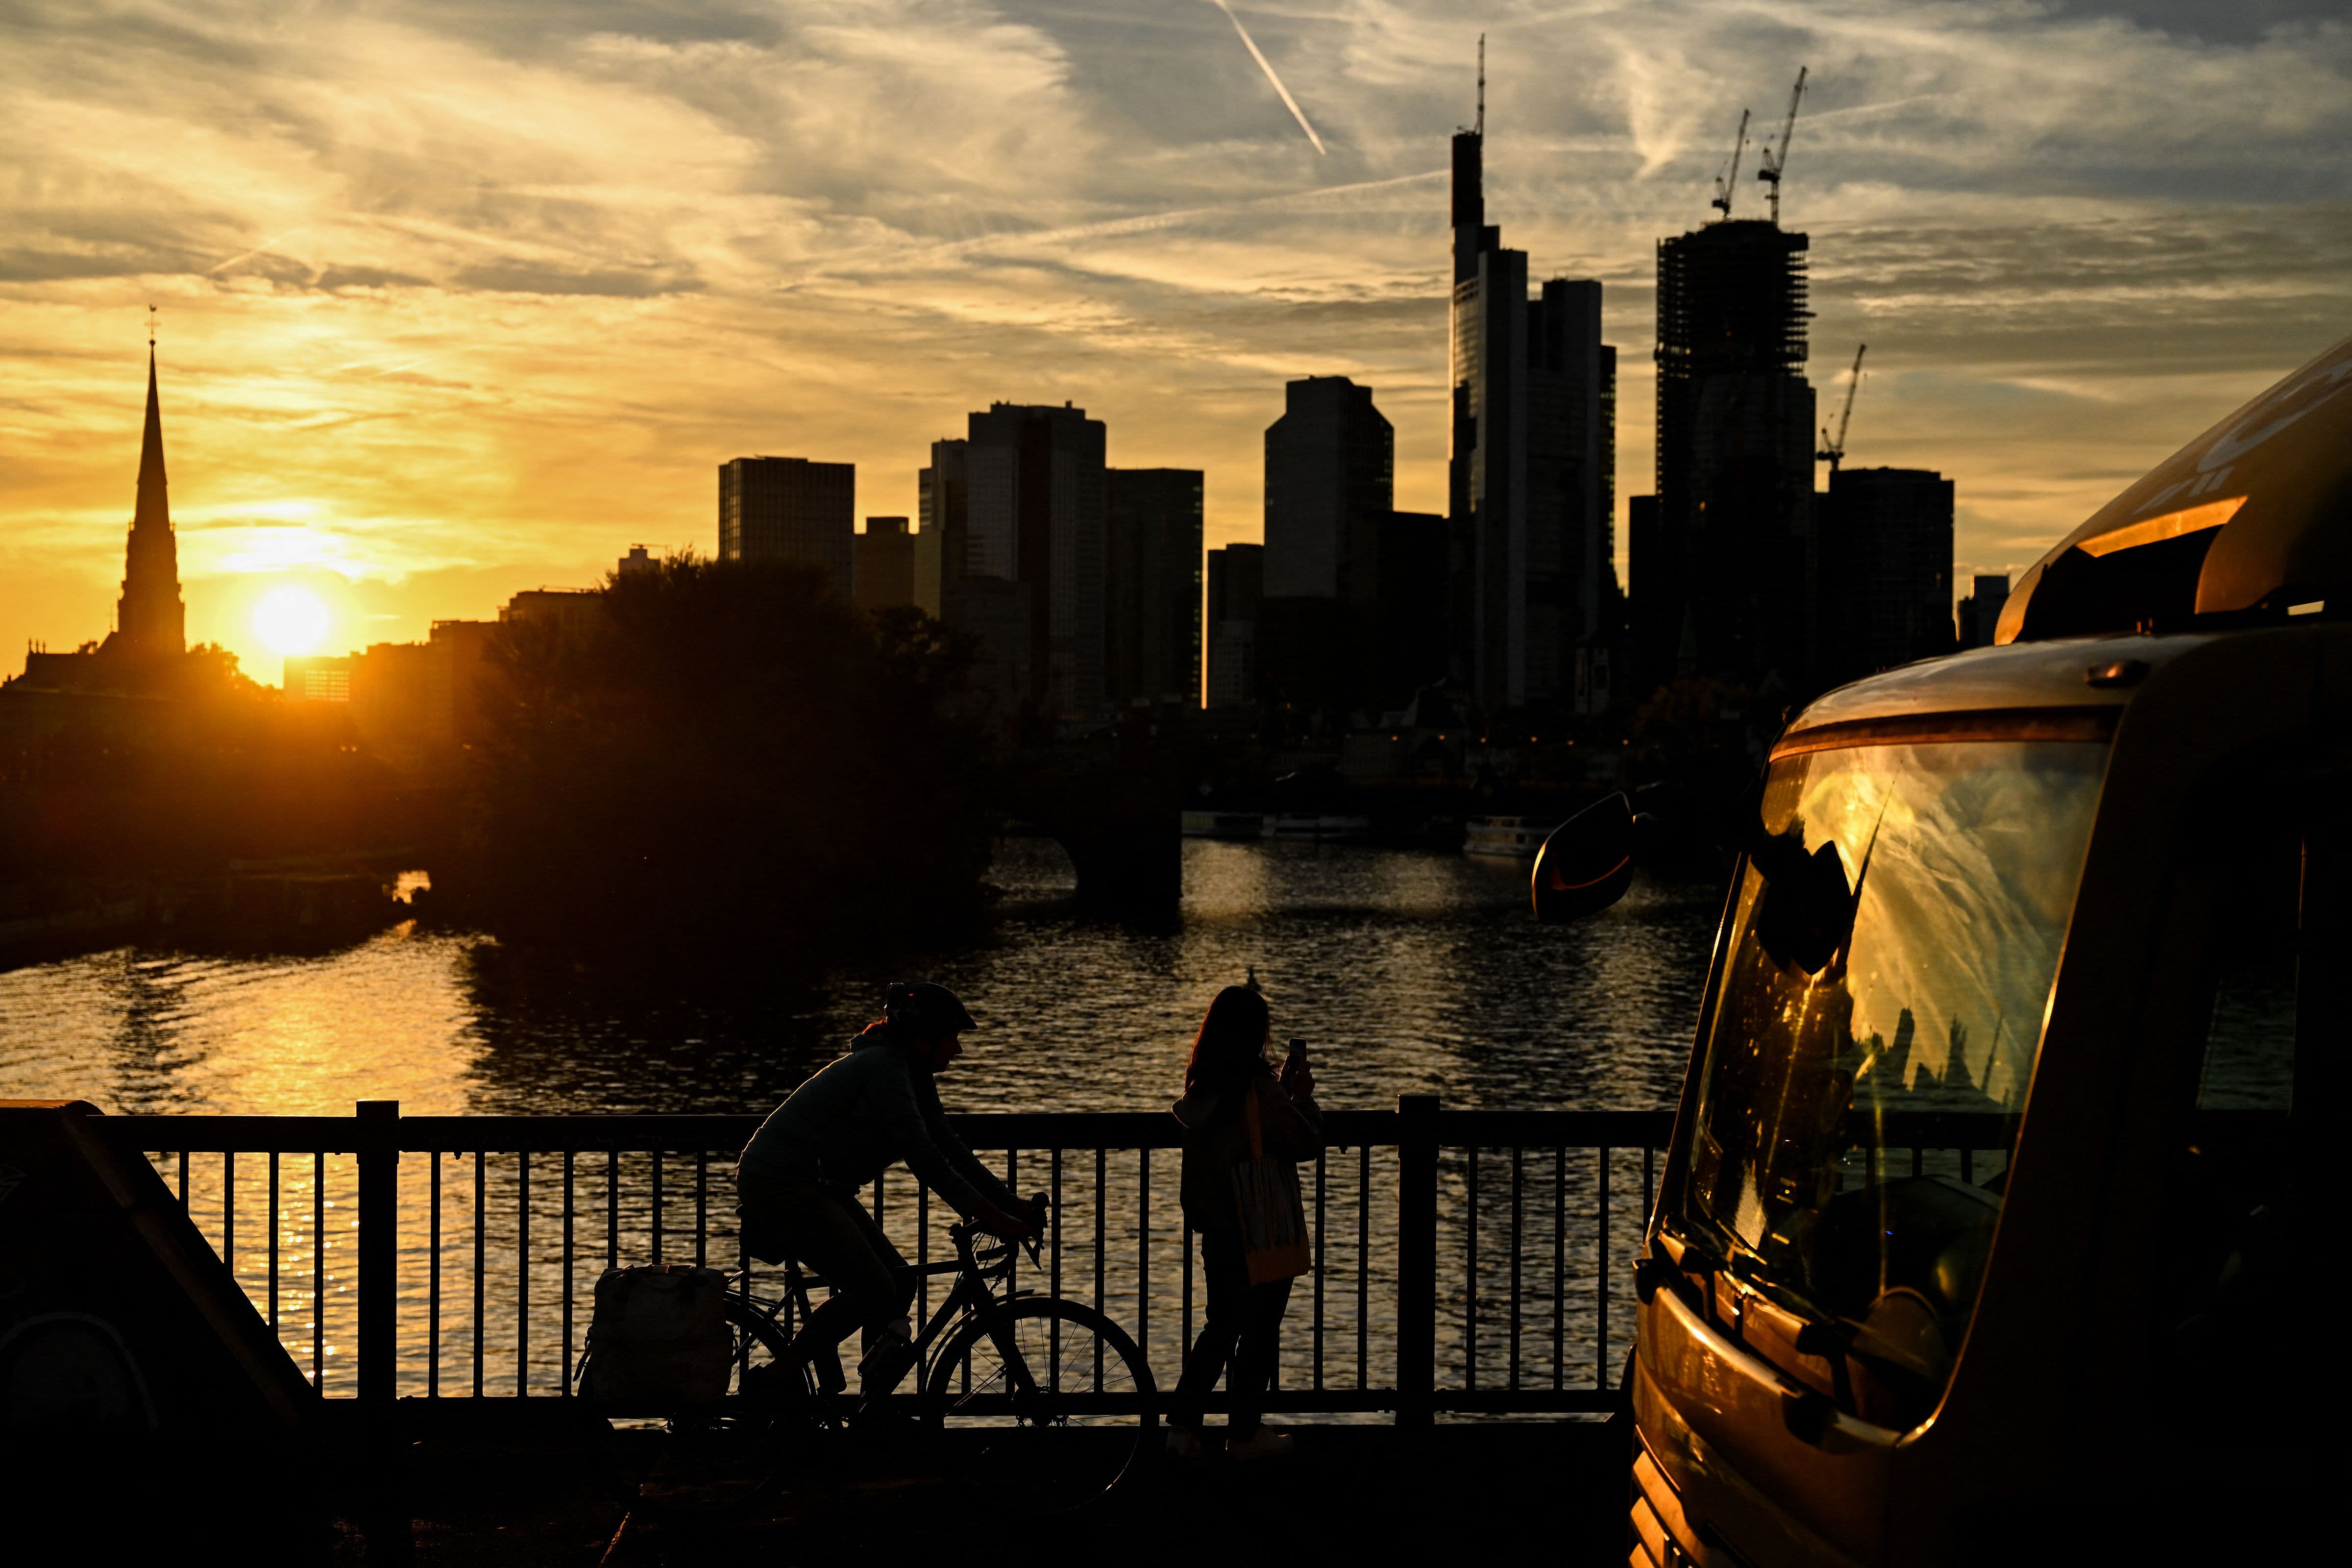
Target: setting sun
290,620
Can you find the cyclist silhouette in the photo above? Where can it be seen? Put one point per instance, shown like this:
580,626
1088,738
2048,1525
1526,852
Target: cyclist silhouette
799,1177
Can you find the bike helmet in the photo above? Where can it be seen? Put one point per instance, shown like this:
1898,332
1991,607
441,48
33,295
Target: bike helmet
920,1004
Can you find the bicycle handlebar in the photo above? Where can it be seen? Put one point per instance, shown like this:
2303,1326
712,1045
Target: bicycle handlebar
968,1232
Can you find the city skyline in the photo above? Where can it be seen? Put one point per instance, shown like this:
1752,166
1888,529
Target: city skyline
420,355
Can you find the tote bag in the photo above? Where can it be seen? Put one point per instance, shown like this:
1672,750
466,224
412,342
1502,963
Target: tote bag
1274,1218
659,1339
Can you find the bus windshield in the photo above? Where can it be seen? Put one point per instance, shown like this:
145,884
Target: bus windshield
1937,916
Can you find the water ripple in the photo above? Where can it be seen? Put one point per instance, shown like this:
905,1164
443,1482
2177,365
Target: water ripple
1410,973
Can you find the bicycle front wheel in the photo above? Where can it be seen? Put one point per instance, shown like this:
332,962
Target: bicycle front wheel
1043,1406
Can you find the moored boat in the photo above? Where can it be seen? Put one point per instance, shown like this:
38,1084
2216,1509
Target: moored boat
1506,837
1224,825
1288,826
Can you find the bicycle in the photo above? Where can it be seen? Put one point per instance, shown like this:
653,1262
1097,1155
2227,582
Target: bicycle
1042,1404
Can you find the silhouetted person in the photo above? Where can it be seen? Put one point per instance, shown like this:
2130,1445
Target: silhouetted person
799,1175
1227,1072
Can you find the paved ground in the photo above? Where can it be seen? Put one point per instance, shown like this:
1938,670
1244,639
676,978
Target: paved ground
1552,1490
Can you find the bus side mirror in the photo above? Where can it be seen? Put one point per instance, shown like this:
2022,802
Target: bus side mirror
1587,863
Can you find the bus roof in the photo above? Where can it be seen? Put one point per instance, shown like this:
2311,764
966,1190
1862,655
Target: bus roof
2249,520
2062,676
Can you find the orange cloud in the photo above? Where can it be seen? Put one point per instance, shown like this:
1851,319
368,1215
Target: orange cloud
457,302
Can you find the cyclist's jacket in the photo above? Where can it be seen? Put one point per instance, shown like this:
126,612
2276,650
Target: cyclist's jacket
847,1125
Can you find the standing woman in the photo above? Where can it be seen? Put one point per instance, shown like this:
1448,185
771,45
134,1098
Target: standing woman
1237,1116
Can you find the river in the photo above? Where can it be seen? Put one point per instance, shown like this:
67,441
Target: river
1409,972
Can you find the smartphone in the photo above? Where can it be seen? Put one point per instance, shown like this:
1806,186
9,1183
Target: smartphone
1298,1058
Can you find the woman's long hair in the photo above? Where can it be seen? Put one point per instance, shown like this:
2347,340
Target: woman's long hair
1231,1045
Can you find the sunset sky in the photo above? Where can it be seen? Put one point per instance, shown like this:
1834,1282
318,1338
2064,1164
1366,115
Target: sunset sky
462,299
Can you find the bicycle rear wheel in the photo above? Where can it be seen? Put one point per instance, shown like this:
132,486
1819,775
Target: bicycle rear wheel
722,1456
1043,1406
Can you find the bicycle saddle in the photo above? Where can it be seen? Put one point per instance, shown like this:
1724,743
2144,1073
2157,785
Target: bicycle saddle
762,1242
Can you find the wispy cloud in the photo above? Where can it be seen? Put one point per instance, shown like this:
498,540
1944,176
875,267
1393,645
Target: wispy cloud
490,291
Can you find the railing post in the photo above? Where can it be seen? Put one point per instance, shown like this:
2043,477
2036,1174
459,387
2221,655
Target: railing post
1416,1260
386,1522
379,1160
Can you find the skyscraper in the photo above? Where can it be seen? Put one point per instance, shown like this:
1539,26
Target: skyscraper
1409,636
1152,622
1885,571
1331,478
1571,579
943,500
1030,511
1981,607
1330,484
1531,478
1236,587
885,564
150,620
789,509
1736,596
1645,567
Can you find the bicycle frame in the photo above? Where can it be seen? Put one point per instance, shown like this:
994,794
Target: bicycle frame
969,1296
1009,1401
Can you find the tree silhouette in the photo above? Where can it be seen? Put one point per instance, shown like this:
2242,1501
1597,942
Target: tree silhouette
724,761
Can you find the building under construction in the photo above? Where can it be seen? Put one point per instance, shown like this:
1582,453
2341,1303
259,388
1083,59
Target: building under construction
1734,458
1725,584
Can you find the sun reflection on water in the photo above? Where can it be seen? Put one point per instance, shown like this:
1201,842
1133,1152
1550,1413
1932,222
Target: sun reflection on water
1411,972
1408,972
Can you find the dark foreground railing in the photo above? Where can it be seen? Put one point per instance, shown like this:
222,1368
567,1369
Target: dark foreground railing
1470,1262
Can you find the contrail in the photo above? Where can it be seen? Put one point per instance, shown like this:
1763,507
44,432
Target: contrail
1146,222
1267,66
248,256
1112,227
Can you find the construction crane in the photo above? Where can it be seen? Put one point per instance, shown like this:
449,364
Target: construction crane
1728,182
1770,162
1833,452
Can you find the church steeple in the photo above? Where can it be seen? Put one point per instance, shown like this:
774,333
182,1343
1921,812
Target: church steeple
151,619
153,506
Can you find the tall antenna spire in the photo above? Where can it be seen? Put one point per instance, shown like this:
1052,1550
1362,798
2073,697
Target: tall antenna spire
151,326
1469,221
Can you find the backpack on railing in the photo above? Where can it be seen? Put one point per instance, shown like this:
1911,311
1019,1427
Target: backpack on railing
659,1337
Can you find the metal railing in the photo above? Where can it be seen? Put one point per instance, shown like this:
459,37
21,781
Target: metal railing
1463,1260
